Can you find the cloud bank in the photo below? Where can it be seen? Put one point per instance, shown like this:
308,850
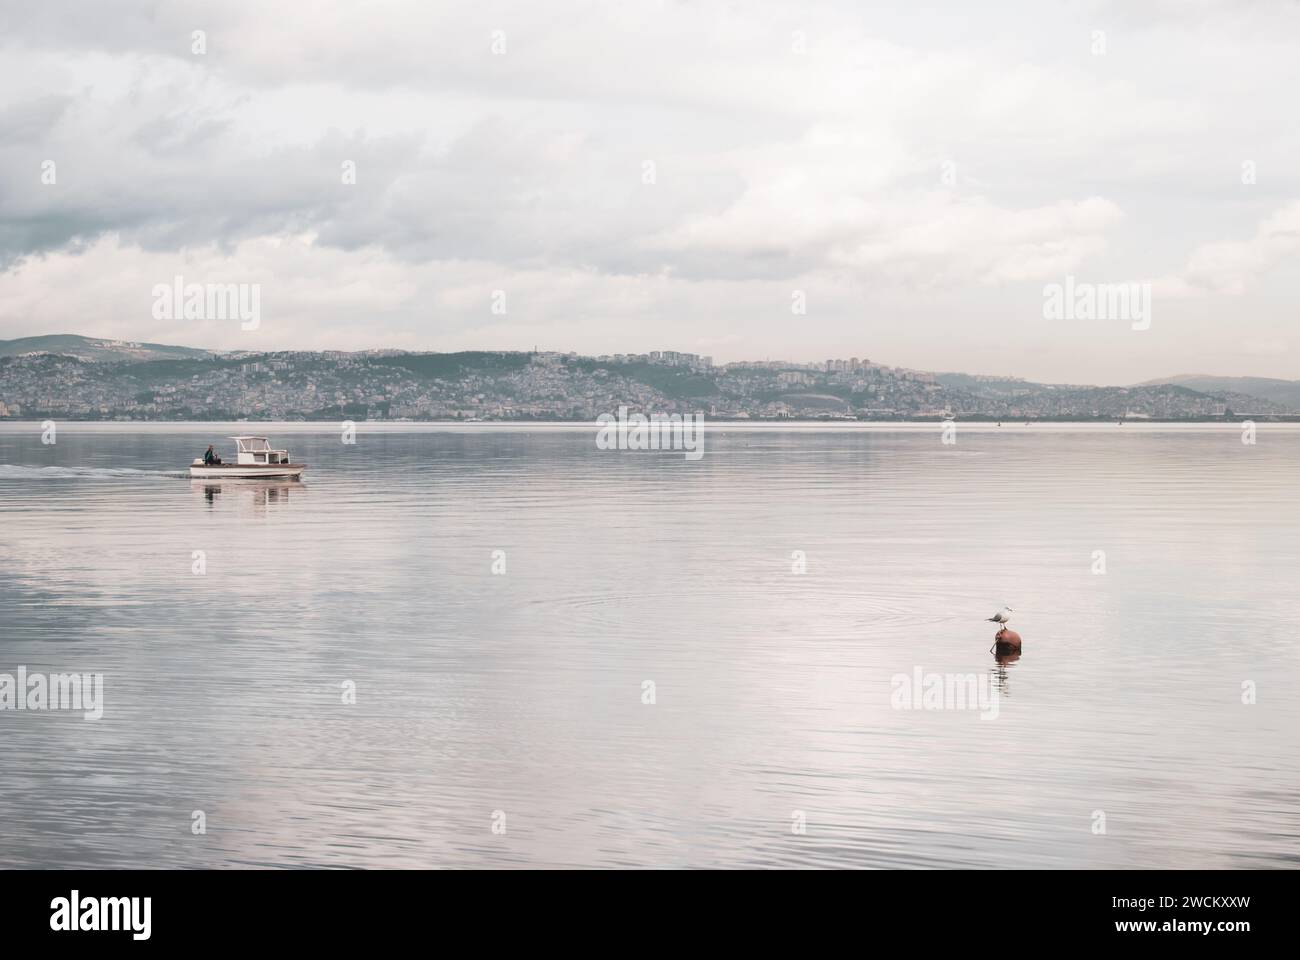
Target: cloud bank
659,175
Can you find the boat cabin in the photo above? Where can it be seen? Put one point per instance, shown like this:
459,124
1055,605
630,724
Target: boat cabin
256,450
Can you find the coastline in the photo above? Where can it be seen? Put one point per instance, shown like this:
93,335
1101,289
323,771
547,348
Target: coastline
770,425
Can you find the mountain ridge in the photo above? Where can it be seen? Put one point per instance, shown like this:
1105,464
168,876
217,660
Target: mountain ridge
68,374
1273,389
99,349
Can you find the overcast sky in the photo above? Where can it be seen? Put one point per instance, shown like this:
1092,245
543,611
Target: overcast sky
917,170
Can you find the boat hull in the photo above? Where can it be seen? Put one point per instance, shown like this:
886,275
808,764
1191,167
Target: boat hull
247,471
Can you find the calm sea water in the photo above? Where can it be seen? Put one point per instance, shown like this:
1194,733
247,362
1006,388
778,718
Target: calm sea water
516,699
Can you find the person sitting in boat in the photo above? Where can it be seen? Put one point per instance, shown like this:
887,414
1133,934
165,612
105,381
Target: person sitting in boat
210,457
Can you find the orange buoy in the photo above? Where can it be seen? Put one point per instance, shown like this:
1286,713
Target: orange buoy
1007,638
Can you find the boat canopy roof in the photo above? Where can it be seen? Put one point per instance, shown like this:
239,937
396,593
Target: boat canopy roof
252,443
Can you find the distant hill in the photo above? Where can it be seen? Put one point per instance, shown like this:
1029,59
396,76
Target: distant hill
97,350
1285,393
1165,396
93,378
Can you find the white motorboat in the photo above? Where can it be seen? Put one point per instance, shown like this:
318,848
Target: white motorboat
254,459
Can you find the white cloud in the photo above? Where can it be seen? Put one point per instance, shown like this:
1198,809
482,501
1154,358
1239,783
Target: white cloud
1231,266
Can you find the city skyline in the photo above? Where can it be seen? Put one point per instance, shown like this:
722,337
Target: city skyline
75,378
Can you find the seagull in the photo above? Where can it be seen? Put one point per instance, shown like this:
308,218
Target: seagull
1002,616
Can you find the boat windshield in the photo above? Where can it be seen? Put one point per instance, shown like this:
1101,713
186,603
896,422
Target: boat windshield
253,443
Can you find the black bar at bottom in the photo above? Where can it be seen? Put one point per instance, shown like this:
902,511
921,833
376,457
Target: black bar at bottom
304,909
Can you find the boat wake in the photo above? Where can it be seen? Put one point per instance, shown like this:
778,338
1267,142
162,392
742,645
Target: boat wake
11,471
